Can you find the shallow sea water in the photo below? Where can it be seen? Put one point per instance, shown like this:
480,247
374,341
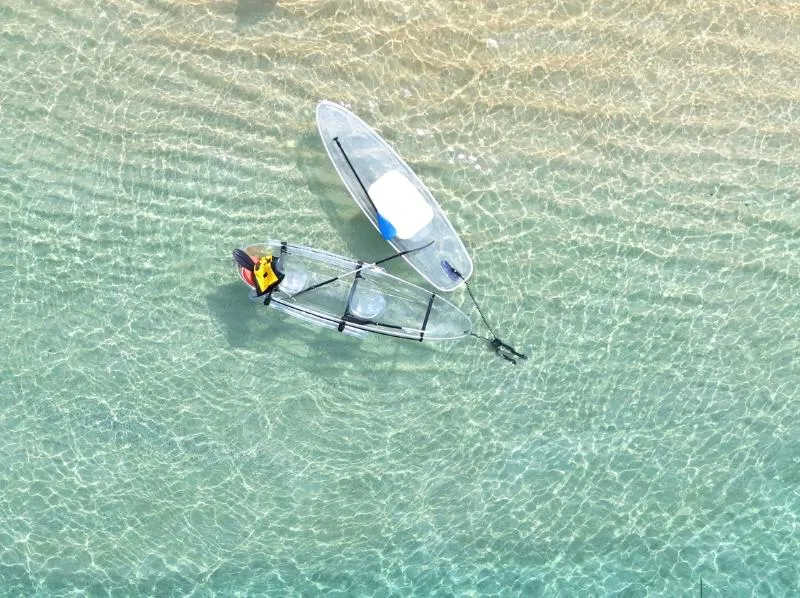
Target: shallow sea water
626,178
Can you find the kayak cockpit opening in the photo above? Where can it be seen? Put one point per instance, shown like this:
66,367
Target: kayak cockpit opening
295,280
367,302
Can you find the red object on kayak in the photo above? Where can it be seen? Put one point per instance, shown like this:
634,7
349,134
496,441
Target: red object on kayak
247,275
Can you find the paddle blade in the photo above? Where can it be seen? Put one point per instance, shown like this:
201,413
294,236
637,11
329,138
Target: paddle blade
454,274
385,227
244,260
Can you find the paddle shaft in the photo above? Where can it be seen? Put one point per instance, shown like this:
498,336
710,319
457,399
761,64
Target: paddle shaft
359,269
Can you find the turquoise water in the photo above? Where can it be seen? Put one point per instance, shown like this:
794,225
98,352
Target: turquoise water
626,179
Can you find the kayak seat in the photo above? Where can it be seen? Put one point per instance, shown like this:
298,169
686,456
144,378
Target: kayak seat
399,201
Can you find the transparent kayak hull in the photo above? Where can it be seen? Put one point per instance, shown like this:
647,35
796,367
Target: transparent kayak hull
377,177
372,302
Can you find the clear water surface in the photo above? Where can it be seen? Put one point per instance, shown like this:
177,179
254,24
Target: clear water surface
626,178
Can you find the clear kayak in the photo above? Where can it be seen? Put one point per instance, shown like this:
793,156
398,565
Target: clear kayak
367,301
393,198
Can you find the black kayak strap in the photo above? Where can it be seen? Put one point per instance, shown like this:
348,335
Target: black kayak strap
358,178
427,315
346,314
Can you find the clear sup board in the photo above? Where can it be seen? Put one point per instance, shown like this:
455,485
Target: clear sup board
392,197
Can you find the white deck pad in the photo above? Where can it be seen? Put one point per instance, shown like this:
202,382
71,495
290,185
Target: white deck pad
399,201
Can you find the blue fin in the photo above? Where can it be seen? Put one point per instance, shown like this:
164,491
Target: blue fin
387,230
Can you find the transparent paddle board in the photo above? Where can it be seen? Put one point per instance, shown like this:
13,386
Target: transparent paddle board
382,183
